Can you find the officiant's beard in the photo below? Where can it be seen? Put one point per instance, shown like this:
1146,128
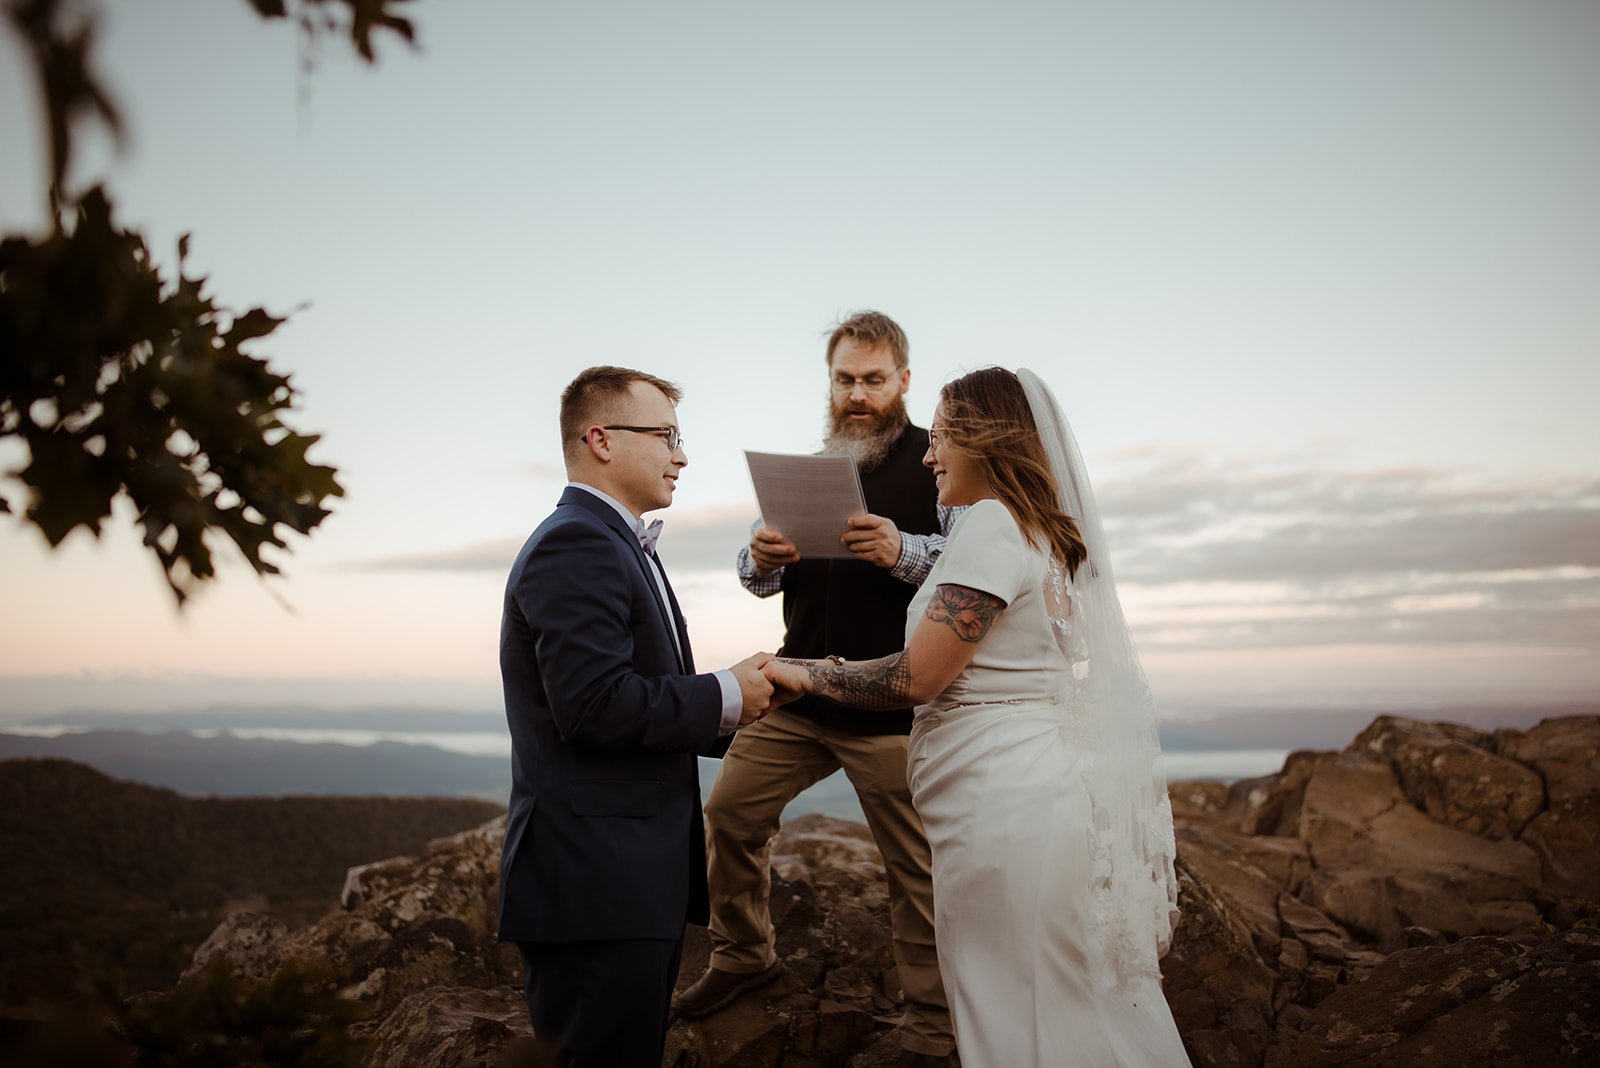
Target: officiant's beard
867,441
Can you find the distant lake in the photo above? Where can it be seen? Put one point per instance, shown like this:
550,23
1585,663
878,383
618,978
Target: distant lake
1186,763
833,796
470,743
1220,744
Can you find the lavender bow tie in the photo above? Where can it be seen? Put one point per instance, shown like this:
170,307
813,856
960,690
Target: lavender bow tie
647,535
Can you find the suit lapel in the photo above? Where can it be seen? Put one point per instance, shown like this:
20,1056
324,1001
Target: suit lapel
682,628
612,519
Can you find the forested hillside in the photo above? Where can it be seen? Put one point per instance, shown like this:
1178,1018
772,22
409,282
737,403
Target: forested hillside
105,881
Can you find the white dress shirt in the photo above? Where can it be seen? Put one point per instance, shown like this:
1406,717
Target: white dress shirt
732,696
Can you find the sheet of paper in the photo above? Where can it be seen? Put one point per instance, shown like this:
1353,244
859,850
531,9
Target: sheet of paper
807,498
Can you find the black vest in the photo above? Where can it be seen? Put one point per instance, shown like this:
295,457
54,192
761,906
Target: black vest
854,609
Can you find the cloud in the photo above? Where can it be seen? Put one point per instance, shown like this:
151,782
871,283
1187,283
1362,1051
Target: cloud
549,472
1286,558
1256,556
1312,526
1327,546
706,539
494,555
1405,620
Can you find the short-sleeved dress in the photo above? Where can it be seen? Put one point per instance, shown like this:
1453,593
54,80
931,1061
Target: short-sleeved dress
996,771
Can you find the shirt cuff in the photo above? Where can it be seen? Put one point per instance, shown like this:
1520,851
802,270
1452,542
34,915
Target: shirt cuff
916,558
732,701
759,583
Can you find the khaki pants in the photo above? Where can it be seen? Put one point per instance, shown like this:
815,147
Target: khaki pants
769,763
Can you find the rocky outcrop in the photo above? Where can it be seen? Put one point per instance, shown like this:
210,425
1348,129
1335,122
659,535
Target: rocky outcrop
1453,775
455,1025
1218,981
1479,1001
1383,865
1566,834
416,940
1422,853
407,927
1404,901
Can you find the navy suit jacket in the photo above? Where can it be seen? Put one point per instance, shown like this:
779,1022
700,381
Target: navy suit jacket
604,837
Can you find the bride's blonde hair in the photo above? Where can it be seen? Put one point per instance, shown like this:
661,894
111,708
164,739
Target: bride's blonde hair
986,416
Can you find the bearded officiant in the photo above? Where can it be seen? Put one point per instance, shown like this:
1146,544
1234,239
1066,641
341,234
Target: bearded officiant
854,608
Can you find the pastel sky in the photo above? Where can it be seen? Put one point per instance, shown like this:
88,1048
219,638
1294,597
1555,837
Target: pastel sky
1317,285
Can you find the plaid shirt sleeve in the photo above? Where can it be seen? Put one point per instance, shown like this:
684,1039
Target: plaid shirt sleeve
919,552
761,585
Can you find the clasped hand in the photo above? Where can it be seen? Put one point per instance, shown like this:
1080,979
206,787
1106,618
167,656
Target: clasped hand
789,678
766,682
761,694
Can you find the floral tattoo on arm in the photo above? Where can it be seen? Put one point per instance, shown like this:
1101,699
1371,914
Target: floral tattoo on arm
968,612
886,682
874,684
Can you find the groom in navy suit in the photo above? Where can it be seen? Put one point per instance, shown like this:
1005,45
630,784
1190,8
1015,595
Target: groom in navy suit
604,858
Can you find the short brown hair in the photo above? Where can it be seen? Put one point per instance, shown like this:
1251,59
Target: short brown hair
597,394
872,329
986,415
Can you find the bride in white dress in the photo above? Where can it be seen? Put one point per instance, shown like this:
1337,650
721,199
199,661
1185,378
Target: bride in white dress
1034,762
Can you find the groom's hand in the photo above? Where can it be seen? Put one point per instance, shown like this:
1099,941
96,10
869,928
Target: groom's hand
873,538
754,687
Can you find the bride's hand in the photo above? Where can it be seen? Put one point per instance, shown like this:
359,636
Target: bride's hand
789,679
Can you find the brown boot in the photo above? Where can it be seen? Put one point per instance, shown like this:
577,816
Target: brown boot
717,988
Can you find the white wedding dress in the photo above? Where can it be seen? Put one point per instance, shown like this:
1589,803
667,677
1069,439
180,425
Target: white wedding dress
999,768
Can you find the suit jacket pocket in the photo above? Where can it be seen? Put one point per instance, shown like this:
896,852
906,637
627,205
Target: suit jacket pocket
620,798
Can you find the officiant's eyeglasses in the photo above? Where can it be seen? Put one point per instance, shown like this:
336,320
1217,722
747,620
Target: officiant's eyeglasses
674,439
848,383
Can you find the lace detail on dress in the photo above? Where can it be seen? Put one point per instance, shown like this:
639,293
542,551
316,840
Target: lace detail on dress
1058,607
1131,876
1130,851
1059,602
1134,938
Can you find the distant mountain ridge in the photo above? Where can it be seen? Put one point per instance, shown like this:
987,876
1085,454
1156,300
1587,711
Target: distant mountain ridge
163,752
1301,727
1332,727
224,717
224,766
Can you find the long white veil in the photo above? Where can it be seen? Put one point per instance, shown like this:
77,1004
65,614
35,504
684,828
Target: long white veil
1135,893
